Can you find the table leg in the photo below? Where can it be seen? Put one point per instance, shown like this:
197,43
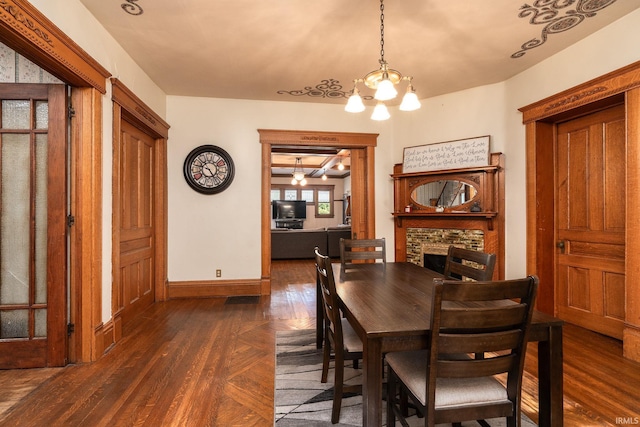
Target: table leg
550,381
372,384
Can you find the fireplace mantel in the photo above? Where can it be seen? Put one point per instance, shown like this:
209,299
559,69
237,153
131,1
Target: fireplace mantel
488,183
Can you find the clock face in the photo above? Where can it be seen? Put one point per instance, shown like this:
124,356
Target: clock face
208,169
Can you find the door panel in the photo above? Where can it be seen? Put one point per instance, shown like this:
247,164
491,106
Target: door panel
33,313
590,221
135,291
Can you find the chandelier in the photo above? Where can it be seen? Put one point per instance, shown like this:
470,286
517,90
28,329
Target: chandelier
298,173
383,81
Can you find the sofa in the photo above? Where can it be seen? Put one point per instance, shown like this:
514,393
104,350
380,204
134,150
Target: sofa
299,244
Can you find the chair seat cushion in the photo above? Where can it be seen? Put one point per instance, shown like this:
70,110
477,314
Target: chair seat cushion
351,340
411,369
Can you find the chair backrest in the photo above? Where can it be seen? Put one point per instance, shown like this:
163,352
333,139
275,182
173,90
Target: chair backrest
329,297
361,250
490,317
466,263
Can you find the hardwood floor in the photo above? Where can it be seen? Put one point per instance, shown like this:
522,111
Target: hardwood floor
203,362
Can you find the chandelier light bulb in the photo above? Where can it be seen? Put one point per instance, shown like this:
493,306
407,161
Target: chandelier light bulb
354,104
380,112
303,182
324,175
385,90
410,100
298,174
340,165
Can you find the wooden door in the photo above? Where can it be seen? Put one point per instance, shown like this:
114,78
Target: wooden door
33,310
590,221
134,289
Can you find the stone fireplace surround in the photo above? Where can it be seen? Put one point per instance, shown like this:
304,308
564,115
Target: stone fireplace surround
436,241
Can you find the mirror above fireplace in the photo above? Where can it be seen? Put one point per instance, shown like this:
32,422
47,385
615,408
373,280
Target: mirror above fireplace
448,193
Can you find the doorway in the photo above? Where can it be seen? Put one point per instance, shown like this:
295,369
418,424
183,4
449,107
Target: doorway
139,230
541,120
362,206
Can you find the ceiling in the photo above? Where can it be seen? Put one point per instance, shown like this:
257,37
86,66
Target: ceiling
311,51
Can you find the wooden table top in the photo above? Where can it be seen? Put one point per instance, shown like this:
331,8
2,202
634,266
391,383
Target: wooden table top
399,299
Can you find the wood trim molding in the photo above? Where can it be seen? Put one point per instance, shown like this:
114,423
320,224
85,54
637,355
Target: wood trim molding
312,138
631,331
26,30
86,234
136,108
600,88
214,288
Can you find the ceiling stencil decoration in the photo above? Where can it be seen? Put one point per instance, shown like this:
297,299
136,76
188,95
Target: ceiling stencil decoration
132,8
329,88
548,13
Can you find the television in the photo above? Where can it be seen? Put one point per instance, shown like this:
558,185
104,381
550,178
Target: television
289,209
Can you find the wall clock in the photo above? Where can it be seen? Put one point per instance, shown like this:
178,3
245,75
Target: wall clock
208,169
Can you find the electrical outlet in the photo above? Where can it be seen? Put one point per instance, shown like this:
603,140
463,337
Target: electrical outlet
218,273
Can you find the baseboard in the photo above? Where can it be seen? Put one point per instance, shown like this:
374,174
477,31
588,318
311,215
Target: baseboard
215,288
104,339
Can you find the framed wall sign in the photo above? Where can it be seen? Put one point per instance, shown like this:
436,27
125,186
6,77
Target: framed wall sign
208,169
458,154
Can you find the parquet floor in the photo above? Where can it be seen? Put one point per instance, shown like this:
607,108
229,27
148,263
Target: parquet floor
202,362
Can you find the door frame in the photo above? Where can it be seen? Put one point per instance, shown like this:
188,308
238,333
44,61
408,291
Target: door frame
26,30
540,120
362,146
128,107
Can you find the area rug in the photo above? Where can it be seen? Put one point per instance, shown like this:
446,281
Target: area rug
302,400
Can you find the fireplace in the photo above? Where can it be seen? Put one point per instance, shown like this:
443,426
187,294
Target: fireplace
433,243
434,255
423,233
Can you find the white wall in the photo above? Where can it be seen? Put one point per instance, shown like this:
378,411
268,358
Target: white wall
222,231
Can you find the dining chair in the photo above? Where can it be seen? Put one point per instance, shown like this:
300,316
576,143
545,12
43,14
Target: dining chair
467,317
464,263
353,251
338,335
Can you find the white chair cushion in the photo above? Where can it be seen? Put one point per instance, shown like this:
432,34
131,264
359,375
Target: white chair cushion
411,368
351,341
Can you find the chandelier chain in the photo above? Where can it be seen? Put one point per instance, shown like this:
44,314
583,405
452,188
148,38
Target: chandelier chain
381,31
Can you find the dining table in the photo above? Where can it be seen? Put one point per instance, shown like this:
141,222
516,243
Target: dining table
390,310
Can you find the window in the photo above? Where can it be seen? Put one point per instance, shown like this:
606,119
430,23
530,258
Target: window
324,206
321,196
307,195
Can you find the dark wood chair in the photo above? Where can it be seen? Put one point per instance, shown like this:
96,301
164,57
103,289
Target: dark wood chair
490,317
466,263
338,335
353,251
